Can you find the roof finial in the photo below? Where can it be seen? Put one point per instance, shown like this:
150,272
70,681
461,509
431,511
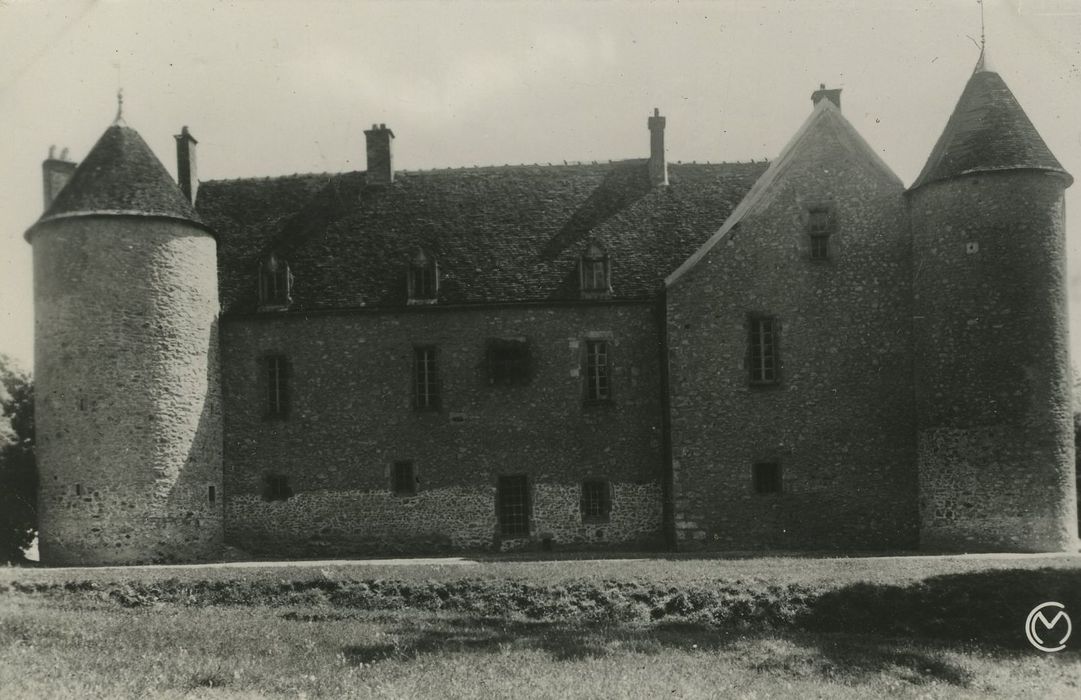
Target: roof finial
119,106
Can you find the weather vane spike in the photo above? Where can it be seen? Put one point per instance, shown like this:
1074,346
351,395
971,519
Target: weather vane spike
983,37
119,106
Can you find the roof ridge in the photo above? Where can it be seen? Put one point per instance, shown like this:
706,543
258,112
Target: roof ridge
482,168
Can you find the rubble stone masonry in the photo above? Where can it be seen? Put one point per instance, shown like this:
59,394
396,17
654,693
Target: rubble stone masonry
352,416
128,403
839,421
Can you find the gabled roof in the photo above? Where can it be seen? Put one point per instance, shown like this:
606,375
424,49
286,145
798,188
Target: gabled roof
499,234
988,131
121,176
825,115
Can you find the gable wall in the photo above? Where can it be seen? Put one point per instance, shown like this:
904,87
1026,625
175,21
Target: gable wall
840,421
352,416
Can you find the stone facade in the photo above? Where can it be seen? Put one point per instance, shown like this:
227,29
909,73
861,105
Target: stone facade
127,391
569,356
352,416
992,364
839,419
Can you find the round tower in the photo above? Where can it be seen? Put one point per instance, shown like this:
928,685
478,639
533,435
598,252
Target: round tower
992,370
128,402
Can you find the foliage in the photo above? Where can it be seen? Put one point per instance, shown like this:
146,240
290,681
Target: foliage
18,470
235,632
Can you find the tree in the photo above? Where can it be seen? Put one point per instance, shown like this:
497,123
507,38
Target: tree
18,470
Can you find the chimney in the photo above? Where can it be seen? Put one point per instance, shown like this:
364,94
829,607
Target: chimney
833,96
380,162
55,174
658,166
186,174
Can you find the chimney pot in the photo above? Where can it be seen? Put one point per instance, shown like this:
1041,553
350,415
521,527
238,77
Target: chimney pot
55,172
821,93
187,175
380,140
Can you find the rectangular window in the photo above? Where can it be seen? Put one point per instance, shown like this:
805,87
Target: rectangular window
819,227
818,222
276,487
763,359
277,374
512,506
595,501
509,361
425,379
598,387
594,275
767,477
403,479
211,494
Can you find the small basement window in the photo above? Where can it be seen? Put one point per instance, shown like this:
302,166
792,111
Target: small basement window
403,479
596,503
509,361
767,477
276,488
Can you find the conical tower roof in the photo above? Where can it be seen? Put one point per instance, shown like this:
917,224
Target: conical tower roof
988,131
121,176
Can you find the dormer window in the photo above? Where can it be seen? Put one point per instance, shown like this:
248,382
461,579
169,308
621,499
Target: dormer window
423,278
275,283
595,272
819,228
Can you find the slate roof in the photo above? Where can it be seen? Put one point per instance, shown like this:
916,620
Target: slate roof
499,234
121,176
988,131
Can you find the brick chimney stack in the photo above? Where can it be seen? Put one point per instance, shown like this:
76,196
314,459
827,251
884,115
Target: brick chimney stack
833,96
658,166
186,173
380,160
55,171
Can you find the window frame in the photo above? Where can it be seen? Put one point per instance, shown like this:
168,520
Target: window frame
427,390
602,497
598,375
764,368
422,279
820,226
514,371
518,524
409,482
277,373
767,478
589,263
275,283
276,487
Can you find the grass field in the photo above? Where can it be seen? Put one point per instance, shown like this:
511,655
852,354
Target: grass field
650,627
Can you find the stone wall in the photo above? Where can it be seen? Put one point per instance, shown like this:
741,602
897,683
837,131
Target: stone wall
352,417
993,389
128,413
839,422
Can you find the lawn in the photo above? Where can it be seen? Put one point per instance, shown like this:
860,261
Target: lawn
649,627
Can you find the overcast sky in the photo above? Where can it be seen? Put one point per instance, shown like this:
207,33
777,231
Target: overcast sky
275,88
